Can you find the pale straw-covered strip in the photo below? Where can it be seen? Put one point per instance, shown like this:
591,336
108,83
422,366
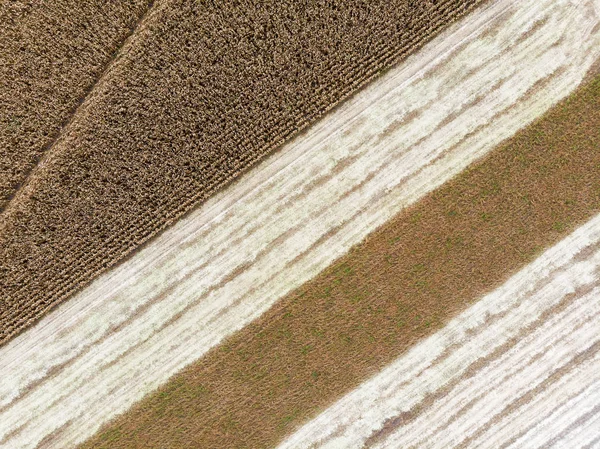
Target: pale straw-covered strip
288,219
517,368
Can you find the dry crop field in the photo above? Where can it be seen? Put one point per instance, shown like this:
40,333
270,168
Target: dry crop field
302,224
197,94
52,54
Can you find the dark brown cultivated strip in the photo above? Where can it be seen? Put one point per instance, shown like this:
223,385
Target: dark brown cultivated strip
404,282
51,54
203,91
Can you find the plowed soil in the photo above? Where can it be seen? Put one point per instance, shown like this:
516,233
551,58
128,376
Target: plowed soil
202,92
405,281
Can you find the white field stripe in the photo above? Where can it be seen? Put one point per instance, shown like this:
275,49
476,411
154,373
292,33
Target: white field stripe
568,393
583,435
507,379
290,217
541,434
562,394
499,350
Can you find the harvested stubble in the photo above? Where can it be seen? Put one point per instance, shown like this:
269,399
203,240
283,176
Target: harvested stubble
406,280
51,54
202,92
289,218
512,368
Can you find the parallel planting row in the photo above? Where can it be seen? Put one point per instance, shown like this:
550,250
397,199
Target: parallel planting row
202,91
215,271
407,280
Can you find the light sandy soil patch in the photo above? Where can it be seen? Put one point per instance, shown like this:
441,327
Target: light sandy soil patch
290,218
520,367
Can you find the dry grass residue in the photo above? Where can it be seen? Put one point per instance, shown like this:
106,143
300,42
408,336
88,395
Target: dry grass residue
204,91
404,282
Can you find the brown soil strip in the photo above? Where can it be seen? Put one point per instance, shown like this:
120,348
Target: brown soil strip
51,54
403,283
202,92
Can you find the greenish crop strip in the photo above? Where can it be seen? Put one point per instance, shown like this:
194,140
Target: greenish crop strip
538,180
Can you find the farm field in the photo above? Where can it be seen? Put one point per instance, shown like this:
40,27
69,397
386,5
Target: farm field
416,268
51,54
201,92
520,367
405,281
184,293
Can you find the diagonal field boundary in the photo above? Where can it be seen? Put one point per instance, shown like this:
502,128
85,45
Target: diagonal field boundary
290,217
40,105
206,91
495,373
420,269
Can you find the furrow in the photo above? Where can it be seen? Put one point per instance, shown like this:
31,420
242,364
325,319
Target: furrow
584,435
549,349
561,418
